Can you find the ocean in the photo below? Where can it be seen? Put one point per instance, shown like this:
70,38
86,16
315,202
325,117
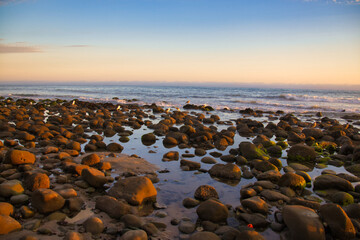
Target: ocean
266,99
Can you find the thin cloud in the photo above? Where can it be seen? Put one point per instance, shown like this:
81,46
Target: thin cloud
4,2
18,48
77,46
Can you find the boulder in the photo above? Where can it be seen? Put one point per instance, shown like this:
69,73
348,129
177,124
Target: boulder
205,192
91,159
36,181
171,156
113,207
135,234
301,153
293,181
249,235
6,209
94,225
8,225
328,181
227,171
208,160
94,177
313,132
132,221
255,204
251,151
46,200
204,235
271,195
18,157
148,139
303,223
114,147
190,165
339,223
11,188
135,190
212,210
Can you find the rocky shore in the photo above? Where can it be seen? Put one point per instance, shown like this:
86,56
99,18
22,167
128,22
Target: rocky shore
63,174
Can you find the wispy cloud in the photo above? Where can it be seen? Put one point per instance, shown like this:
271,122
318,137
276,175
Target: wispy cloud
4,2
19,47
77,46
347,1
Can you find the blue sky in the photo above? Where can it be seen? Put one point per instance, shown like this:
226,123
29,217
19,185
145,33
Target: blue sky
180,40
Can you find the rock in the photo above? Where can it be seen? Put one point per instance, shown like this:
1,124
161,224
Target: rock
150,229
17,157
306,203
228,158
339,223
132,221
8,224
250,151
36,181
190,202
213,211
332,182
264,166
301,153
148,139
293,181
271,175
94,225
249,235
191,165
94,177
255,204
19,199
247,193
135,235
135,190
91,159
113,207
171,156
208,160
75,204
11,188
227,171
200,152
313,132
6,209
67,193
204,235
256,219
353,211
73,236
114,147
271,195
56,216
341,198
303,223
170,142
46,200
26,212
205,192
187,227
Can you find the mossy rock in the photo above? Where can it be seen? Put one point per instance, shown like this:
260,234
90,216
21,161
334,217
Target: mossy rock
282,144
342,198
302,153
354,169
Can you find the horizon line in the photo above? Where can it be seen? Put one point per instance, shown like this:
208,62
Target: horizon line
354,87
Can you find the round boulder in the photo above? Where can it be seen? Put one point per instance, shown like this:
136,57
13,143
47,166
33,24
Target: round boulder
212,210
205,192
46,200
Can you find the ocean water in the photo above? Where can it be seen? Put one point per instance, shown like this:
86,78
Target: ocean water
267,99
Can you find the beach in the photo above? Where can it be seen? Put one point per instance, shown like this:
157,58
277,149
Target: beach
82,166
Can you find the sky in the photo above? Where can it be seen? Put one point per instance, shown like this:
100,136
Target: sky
187,41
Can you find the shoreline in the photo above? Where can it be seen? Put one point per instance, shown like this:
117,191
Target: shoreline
252,150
